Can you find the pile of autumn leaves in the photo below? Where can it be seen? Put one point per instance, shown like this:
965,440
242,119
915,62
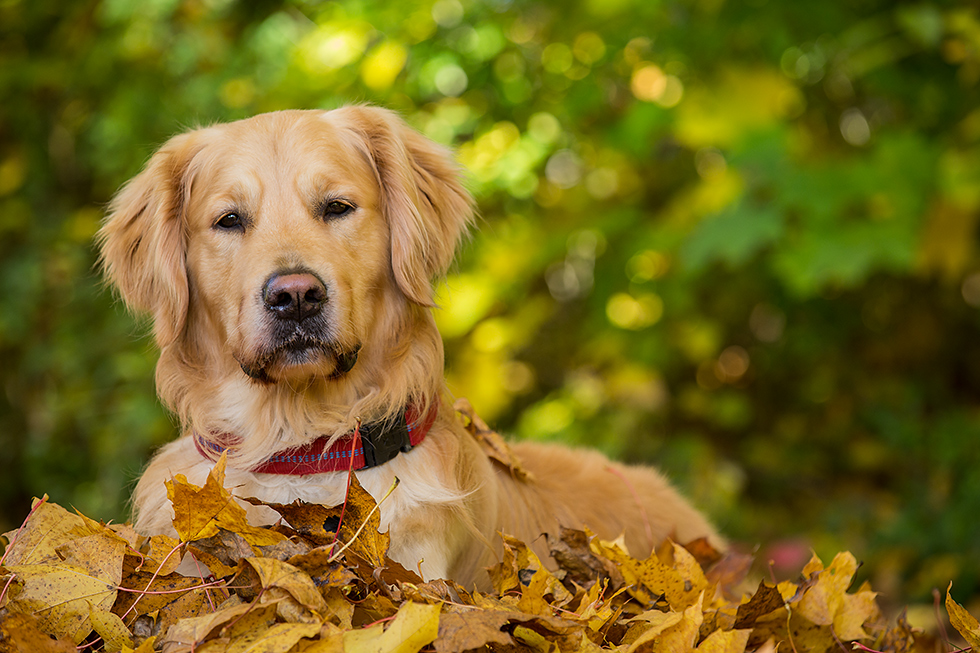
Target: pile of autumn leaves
68,581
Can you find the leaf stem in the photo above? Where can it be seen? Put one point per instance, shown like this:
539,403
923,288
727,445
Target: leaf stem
334,557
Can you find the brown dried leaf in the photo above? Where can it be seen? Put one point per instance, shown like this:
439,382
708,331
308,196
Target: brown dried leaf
464,631
370,545
20,633
313,521
186,606
101,556
151,596
192,631
766,600
572,553
490,441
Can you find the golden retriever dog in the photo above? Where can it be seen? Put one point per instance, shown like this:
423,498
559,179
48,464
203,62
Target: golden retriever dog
287,262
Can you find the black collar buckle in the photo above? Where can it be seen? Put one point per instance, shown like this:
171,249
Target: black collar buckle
384,440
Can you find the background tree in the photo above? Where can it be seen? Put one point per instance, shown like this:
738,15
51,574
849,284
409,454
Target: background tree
737,239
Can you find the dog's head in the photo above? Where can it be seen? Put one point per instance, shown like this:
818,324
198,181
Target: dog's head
280,239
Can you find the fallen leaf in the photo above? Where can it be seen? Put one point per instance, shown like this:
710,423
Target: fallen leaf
194,630
111,629
20,633
658,623
311,520
464,631
48,527
414,626
521,570
765,600
101,556
725,641
200,511
161,555
681,637
826,602
150,594
493,445
274,573
964,622
59,596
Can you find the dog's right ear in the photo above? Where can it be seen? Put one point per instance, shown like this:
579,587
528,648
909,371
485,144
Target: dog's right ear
143,241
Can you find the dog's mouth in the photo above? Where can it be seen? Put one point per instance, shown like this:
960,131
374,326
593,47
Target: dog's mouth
301,356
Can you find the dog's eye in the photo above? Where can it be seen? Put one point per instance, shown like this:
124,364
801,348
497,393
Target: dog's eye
230,221
336,209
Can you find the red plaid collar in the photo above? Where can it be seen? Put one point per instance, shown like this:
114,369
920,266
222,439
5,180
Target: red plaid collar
370,445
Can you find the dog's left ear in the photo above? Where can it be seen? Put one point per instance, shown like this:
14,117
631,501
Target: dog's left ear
427,207
142,239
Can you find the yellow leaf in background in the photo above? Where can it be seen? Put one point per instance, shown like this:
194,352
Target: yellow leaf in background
274,573
964,622
46,529
200,512
742,101
59,596
380,68
415,625
111,629
946,247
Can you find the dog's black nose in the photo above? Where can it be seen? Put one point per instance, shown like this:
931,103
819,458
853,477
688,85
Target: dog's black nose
294,296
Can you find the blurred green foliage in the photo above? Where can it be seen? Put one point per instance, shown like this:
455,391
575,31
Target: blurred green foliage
734,238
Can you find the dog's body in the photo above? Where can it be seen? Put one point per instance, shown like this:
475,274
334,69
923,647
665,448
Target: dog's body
287,262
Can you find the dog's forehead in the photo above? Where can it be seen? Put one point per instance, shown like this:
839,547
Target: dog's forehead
292,143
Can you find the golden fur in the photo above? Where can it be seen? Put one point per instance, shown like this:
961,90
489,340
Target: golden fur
168,248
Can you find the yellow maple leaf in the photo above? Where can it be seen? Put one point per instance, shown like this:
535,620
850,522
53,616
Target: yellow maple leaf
200,511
